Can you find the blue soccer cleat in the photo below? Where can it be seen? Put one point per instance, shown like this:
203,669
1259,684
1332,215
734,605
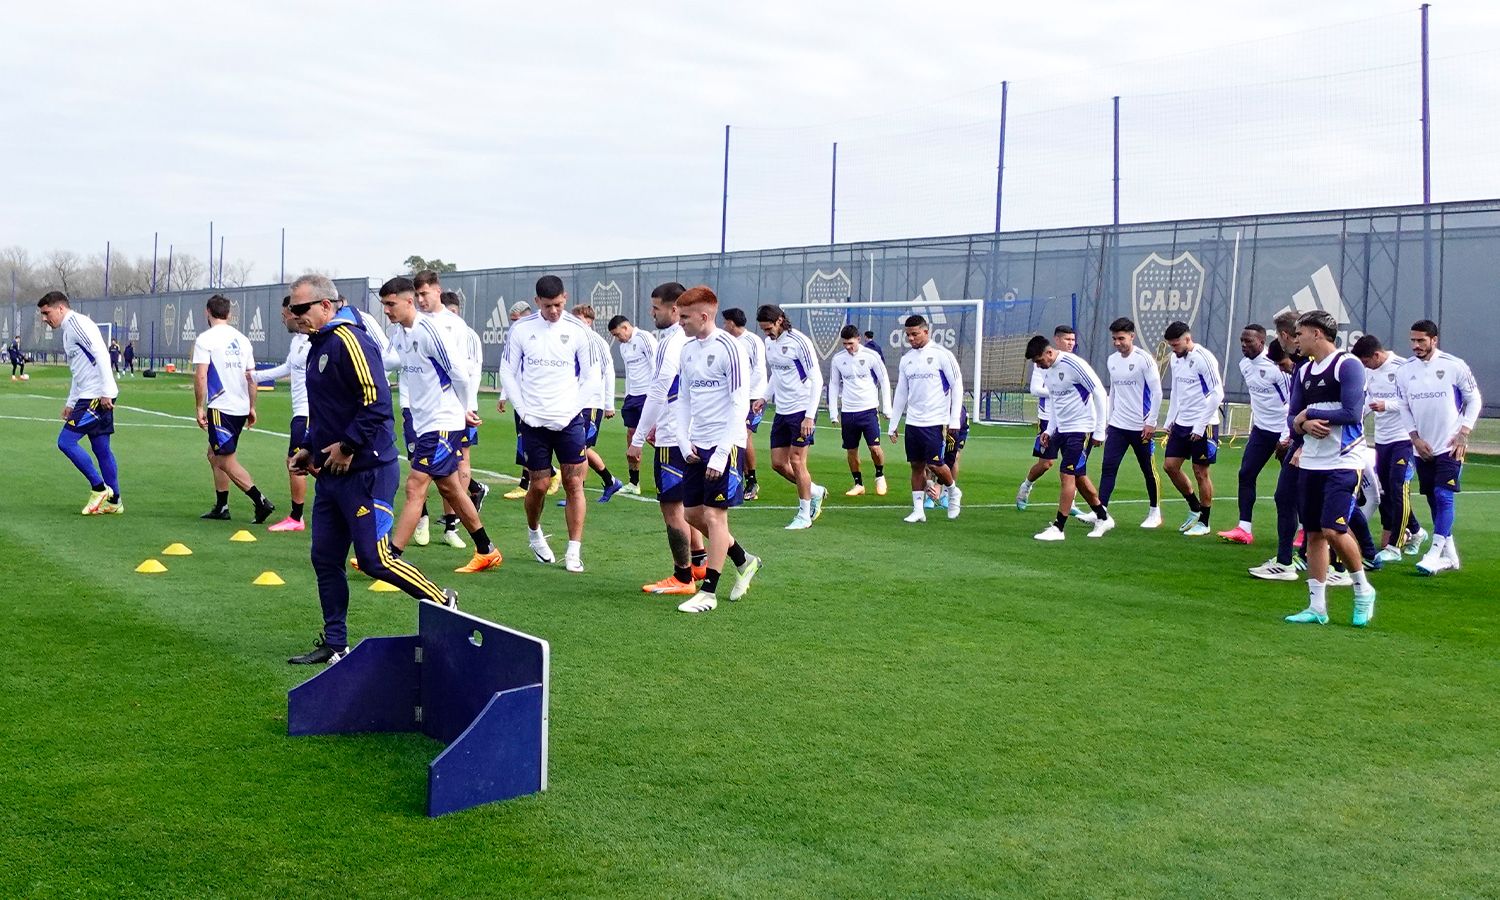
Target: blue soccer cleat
611,491
1364,609
1308,617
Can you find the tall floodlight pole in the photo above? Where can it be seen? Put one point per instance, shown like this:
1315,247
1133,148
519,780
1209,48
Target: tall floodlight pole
1117,159
283,255
724,203
210,253
1000,166
106,268
155,238
220,279
1426,174
833,199
169,266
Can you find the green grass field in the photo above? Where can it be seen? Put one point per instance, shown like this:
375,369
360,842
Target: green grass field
941,710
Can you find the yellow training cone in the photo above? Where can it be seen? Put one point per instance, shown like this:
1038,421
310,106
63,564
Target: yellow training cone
177,550
151,567
383,587
242,536
268,578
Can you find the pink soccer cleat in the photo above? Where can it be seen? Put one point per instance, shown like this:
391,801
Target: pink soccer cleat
1237,535
288,524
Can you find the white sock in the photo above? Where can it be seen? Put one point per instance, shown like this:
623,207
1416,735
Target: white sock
1155,511
1317,599
818,490
536,534
1438,540
575,548
1361,583
951,490
1245,526
917,498
1026,485
804,508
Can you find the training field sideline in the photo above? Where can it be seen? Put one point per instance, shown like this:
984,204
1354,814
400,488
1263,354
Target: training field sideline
942,709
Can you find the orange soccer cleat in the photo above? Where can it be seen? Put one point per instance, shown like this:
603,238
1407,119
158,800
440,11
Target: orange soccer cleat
482,561
670,585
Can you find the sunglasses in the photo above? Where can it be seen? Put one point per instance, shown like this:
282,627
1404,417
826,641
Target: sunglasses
300,309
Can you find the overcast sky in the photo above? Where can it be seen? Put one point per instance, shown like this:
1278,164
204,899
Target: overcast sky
497,134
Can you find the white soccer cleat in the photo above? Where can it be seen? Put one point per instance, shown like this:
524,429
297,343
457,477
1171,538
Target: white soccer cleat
747,573
1197,529
573,560
1102,527
1050,533
1187,523
819,494
422,535
800,522
916,516
955,500
1153,518
1433,563
1339,579
1388,555
1450,553
1272,570
542,550
702,601
1085,518
631,489
855,491
451,538
1414,542
880,486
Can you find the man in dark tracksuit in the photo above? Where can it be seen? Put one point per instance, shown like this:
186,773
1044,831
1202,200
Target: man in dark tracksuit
352,435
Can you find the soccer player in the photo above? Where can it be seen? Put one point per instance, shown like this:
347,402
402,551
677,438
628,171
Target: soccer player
755,351
638,352
795,386
517,310
1394,466
1065,339
711,409
930,394
1440,403
224,387
295,371
114,356
874,344
130,358
17,357
859,392
1079,421
437,383
90,409
472,350
1134,409
467,353
1327,407
658,425
1290,555
546,356
352,451
598,403
1197,391
1268,387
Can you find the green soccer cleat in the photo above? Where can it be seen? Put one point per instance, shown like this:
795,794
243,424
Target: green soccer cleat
1364,609
1307,617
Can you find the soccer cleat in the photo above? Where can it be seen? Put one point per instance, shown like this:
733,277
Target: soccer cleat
573,560
422,534
554,486
1088,518
1307,617
633,489
1414,542
1023,496
916,516
91,506
610,491
112,509
1450,553
1389,555
752,489
1187,523
218,513
1364,609
747,574
699,572
819,494
702,601
1238,535
1153,519
563,502
1272,570
451,538
1077,513
799,522
942,501
541,550
855,491
1339,579
450,598
322,653
955,501
928,503
263,512
1297,541
670,585
1050,533
288,524
1197,529
1373,564
482,561
1433,563
1300,562
880,486
516,493
478,491
1102,527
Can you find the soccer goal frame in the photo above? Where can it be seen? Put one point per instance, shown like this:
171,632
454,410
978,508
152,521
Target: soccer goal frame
975,386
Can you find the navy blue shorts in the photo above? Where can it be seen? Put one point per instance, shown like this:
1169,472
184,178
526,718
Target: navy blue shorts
668,470
1072,452
592,419
786,431
89,418
631,411
925,444
408,432
1037,450
436,453
469,437
725,492
539,445
1440,471
861,425
1180,445
753,418
298,438
224,432
955,442
1327,498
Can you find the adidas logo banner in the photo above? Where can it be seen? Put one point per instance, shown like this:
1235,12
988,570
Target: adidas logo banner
1321,292
257,329
496,325
189,333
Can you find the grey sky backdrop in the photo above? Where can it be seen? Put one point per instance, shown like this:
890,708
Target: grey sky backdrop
503,134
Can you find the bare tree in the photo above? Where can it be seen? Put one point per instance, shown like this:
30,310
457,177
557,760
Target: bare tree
237,273
187,272
63,269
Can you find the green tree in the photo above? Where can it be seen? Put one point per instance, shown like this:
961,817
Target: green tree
415,264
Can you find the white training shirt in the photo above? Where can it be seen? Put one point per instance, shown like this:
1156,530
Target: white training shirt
294,370
796,379
599,382
436,383
1039,391
1080,404
929,388
1134,390
1344,447
858,381
1438,397
228,356
466,351
1380,384
1269,388
88,359
715,398
660,413
543,369
639,356
755,352
1197,390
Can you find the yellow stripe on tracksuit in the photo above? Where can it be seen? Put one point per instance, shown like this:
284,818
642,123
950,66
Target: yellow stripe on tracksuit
415,581
361,365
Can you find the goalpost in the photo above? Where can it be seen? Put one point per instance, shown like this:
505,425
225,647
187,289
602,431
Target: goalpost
825,320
